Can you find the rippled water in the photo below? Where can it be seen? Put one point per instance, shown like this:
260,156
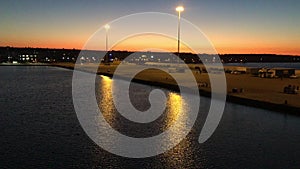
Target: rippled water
39,129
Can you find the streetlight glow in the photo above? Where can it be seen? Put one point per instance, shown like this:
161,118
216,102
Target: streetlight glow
106,26
179,8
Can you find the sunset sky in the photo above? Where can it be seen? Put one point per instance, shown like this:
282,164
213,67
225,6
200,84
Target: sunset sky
233,26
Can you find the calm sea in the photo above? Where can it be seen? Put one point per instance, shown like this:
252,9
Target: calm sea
267,65
39,129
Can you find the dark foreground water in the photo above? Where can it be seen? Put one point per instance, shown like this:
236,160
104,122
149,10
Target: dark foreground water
39,129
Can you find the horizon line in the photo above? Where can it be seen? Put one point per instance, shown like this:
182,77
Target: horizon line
153,51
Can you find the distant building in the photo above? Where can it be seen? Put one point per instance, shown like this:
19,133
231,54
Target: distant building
32,58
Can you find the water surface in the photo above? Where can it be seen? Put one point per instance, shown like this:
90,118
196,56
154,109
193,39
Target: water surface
39,129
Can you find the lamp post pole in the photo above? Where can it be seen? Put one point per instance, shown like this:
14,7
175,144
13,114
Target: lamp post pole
106,40
179,9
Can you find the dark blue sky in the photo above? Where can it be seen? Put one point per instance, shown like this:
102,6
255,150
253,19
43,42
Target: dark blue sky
230,24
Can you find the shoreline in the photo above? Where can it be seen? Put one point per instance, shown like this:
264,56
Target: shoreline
26,64
232,98
282,108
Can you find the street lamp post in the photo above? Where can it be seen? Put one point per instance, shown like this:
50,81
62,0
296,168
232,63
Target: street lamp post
106,40
106,37
179,9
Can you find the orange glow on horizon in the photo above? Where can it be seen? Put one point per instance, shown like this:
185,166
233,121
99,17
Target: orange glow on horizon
137,43
150,41
47,44
295,52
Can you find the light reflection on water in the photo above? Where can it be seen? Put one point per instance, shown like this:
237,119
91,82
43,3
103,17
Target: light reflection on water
174,115
177,108
175,105
106,102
